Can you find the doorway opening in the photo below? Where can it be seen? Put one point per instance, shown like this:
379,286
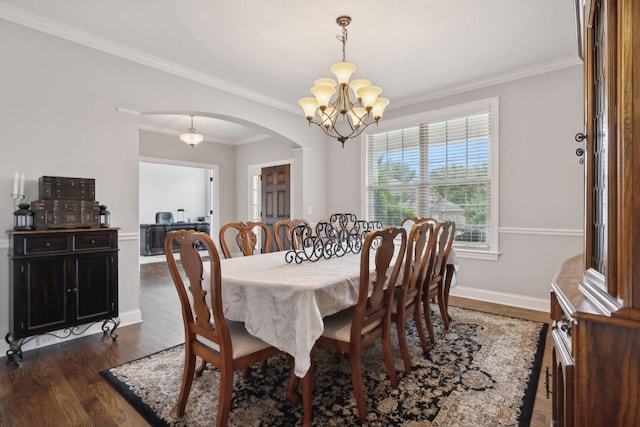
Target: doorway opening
174,195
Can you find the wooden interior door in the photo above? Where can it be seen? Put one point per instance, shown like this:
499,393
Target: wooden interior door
276,198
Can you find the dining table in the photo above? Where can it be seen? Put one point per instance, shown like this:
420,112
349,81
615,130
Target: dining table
284,303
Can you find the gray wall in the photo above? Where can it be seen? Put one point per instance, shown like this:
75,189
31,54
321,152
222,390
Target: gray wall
59,117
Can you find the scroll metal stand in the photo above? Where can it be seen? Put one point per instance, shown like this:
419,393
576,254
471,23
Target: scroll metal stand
14,354
343,233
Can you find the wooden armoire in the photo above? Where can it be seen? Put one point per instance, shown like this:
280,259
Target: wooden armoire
595,297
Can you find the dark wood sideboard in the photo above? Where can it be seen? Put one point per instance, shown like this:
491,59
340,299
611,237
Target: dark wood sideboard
60,279
152,235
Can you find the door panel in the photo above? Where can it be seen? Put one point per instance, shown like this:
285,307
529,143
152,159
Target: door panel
276,200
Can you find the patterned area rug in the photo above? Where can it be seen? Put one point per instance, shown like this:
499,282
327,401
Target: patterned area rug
483,371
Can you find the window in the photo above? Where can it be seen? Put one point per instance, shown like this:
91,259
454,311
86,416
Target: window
443,167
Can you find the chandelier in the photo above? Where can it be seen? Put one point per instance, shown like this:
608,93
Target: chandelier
191,137
343,117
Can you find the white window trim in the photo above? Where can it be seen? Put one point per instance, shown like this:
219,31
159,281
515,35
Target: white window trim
443,114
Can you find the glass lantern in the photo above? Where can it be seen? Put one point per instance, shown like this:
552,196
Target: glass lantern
105,216
23,217
180,215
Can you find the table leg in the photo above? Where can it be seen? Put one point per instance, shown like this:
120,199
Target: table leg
307,391
307,388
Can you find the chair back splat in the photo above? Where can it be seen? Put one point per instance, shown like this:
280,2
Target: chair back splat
284,236
246,238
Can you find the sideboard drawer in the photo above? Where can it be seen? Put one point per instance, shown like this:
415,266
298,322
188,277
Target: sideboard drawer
48,243
95,240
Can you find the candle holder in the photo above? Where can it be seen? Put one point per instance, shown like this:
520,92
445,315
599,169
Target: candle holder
17,198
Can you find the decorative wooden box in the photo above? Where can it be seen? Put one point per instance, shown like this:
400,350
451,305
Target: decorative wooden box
63,188
56,214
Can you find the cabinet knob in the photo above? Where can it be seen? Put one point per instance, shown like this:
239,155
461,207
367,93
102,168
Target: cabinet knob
47,244
93,241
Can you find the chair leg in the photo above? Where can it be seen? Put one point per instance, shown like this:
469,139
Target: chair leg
443,308
402,342
387,352
447,288
224,402
418,321
200,369
358,387
187,379
427,317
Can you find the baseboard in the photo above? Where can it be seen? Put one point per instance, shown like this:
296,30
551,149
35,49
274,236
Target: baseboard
127,318
538,304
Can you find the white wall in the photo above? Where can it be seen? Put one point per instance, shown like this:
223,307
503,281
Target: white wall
541,185
58,117
167,188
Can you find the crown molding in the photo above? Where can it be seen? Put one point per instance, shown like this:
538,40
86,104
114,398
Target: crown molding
38,23
521,73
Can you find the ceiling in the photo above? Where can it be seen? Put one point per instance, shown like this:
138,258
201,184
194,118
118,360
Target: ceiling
272,51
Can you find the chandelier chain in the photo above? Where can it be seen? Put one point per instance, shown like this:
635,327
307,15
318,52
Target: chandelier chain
343,39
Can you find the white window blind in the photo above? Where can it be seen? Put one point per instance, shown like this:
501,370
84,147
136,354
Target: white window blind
440,169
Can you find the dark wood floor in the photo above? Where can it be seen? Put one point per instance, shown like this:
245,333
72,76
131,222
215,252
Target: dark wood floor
59,385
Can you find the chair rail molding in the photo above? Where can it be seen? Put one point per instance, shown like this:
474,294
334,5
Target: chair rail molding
566,232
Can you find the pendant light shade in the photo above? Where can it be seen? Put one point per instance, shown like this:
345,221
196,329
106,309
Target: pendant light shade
191,137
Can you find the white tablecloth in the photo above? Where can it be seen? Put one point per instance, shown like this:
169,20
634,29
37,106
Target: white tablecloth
283,304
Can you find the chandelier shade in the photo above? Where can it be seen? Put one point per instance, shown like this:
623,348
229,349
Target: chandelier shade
191,137
343,108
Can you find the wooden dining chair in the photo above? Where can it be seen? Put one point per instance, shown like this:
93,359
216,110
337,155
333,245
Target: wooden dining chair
406,222
246,238
353,329
225,344
408,296
434,282
283,232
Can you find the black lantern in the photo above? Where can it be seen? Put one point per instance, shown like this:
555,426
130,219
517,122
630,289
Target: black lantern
105,216
23,217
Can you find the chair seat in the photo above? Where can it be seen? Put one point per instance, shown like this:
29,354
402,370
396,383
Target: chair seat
338,326
242,341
